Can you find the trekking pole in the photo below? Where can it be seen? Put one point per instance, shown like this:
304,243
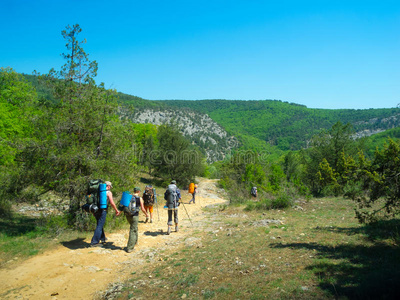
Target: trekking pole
187,213
155,198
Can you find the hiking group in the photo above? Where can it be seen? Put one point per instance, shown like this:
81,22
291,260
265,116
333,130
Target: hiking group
99,197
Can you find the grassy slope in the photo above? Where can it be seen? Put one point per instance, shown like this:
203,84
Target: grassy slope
320,252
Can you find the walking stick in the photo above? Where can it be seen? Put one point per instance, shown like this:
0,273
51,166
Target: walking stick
155,198
187,213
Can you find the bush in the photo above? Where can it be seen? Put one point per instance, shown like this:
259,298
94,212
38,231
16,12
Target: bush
279,202
55,224
5,208
212,172
282,201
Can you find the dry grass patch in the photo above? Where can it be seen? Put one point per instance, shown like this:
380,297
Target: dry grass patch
317,252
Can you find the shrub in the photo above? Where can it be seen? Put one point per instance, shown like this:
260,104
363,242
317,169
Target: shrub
5,208
282,201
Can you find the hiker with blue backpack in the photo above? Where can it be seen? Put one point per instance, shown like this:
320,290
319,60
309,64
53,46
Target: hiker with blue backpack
132,216
172,195
106,198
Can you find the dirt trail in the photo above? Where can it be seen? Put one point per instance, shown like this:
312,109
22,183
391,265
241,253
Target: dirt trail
76,271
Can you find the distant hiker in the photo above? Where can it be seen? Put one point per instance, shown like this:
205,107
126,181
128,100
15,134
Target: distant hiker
132,216
193,191
100,216
172,195
148,200
253,192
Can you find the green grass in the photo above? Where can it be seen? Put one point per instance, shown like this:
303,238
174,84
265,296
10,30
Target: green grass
318,253
22,237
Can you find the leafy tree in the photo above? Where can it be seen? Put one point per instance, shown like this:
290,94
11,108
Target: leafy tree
327,178
17,100
80,138
383,182
323,158
17,105
174,157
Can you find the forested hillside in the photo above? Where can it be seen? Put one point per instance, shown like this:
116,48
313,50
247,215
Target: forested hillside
288,126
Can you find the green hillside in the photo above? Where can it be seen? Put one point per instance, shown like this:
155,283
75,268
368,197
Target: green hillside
286,125
379,139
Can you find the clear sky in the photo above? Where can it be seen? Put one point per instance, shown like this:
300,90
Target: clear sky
322,54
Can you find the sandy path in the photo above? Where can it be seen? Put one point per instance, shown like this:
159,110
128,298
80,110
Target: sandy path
75,271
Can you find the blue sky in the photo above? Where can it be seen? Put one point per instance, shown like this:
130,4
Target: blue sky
322,54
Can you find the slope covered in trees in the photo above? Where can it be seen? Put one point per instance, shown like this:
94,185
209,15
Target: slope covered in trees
288,126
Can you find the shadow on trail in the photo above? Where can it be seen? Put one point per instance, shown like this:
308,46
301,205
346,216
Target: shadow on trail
153,233
76,244
354,271
80,243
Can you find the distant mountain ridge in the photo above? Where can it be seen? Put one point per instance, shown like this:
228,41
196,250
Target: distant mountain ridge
288,126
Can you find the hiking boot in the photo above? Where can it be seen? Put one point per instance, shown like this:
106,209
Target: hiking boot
96,245
129,250
169,230
151,220
105,240
176,228
147,219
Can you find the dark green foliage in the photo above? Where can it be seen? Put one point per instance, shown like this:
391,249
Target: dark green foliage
383,184
246,169
324,160
175,158
17,105
379,139
17,108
